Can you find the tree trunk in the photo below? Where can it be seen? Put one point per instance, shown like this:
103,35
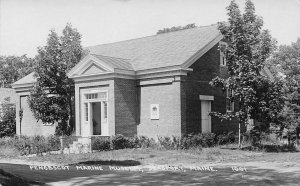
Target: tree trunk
297,136
239,135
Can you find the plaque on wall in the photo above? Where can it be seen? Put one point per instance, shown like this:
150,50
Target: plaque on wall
154,111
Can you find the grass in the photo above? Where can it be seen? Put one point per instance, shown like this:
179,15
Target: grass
153,156
8,151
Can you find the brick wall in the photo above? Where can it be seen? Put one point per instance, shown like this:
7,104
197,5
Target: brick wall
126,107
29,125
168,97
197,83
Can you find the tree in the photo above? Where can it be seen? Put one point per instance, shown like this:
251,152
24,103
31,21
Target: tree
8,119
287,59
247,48
52,98
176,28
13,68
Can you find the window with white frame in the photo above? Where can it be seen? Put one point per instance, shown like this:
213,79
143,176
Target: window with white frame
229,102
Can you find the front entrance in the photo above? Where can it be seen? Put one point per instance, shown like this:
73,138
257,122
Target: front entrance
94,114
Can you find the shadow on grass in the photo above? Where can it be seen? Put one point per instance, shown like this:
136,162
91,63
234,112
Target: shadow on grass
111,163
10,179
266,148
272,148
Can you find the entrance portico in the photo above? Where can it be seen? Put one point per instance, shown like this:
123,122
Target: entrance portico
94,115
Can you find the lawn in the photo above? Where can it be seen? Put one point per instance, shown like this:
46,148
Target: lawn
263,168
150,156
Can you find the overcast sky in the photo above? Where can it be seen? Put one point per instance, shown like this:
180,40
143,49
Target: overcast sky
25,24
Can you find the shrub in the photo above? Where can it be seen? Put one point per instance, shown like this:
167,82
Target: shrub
39,145
7,147
8,119
226,138
121,142
32,145
141,142
208,139
100,143
190,141
166,143
198,140
53,142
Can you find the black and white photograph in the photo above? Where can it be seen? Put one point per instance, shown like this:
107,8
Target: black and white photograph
149,92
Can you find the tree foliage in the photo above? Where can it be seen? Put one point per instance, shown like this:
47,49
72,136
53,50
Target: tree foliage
247,48
176,28
52,98
287,60
13,68
7,119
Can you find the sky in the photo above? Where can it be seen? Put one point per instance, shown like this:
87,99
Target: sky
25,24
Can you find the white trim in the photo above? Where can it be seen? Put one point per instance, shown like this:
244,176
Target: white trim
202,51
165,73
206,98
109,75
156,81
25,85
85,63
82,111
157,70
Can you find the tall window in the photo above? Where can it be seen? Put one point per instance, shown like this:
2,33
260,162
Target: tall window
229,103
222,59
222,45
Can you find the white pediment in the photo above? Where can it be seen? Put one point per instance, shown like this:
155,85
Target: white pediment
93,69
90,66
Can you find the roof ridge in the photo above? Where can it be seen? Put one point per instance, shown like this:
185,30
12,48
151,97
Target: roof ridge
109,56
156,35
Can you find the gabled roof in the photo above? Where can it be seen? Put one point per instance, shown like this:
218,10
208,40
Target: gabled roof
176,50
118,63
162,50
26,80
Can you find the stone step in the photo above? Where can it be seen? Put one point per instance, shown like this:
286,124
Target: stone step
81,145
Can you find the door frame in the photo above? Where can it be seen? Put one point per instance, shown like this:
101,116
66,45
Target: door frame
87,125
206,99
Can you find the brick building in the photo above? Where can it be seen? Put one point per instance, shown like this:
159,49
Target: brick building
152,86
